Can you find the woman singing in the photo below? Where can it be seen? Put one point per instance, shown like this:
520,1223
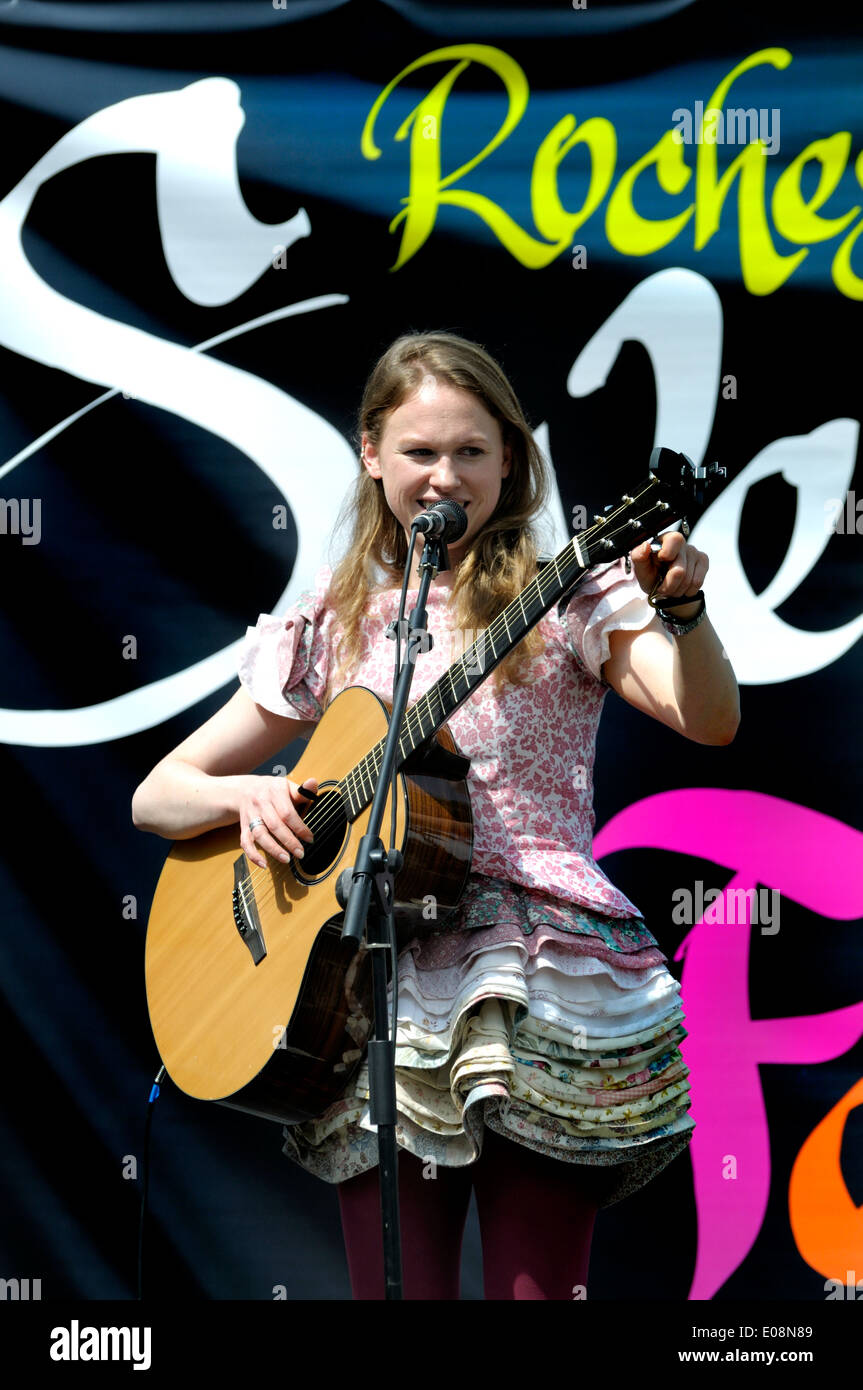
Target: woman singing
538,1045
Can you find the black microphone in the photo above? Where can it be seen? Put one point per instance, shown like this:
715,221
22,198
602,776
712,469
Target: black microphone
447,519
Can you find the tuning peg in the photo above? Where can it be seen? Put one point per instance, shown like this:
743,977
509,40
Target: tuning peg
708,470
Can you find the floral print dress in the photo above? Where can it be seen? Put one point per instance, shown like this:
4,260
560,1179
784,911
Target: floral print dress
543,1007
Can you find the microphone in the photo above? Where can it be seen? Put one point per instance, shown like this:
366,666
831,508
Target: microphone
446,519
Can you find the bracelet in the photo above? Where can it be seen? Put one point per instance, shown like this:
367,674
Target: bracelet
672,602
678,628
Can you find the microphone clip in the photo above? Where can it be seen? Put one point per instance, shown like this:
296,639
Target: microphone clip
434,557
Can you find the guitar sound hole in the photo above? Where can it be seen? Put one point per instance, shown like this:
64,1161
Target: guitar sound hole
329,824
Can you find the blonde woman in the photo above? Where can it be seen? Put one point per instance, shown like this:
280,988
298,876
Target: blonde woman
538,1045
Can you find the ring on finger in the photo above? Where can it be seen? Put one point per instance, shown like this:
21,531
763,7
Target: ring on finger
253,824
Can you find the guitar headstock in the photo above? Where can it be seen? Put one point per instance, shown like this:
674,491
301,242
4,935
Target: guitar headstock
675,489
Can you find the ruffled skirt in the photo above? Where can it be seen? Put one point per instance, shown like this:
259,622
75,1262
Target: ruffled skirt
553,1025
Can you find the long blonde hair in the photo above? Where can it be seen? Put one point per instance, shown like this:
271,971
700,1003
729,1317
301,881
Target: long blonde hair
501,559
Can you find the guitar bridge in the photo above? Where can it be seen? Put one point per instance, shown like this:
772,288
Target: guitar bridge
246,918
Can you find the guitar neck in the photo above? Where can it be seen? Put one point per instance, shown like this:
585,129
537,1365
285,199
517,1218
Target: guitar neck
673,487
449,692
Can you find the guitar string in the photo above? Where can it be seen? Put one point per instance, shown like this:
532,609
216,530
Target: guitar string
262,881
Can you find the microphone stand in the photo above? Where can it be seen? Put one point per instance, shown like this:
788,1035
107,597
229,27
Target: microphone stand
373,874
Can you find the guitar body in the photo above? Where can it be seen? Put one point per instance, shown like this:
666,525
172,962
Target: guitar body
254,999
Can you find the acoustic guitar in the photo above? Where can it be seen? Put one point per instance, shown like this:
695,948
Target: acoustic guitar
255,1002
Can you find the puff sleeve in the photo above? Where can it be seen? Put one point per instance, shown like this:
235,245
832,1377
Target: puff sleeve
284,659
608,599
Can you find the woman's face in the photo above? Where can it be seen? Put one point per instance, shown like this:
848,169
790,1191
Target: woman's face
440,442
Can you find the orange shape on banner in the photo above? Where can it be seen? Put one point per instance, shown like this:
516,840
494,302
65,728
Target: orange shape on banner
827,1227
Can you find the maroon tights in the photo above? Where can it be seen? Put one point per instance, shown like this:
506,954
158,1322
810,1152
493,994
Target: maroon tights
536,1218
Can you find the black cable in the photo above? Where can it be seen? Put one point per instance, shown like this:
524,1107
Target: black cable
154,1095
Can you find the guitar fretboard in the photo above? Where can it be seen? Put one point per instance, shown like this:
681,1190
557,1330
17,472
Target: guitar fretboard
633,520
